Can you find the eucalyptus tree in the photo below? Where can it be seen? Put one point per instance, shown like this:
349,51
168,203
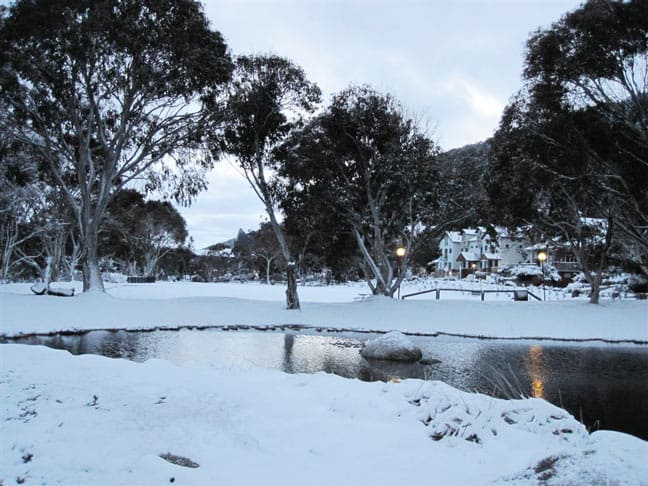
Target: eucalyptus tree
265,248
321,238
594,62
22,196
269,97
35,223
571,152
544,173
110,92
376,172
141,232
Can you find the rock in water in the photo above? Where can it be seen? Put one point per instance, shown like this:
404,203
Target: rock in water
393,346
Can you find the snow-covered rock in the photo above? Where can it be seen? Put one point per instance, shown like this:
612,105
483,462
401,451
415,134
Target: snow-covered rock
393,346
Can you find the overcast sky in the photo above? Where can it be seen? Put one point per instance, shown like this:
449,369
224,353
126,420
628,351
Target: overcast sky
452,63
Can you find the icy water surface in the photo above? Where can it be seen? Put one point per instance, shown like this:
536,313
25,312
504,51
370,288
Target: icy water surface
605,386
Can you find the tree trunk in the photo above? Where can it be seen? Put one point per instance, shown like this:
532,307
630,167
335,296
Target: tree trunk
55,249
268,262
75,255
595,294
90,262
47,274
596,280
150,262
378,263
8,237
292,299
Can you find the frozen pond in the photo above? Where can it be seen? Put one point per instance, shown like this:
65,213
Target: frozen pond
605,386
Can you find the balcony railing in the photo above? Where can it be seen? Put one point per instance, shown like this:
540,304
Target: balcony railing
567,266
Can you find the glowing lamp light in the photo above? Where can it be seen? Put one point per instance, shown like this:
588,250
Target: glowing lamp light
400,252
542,256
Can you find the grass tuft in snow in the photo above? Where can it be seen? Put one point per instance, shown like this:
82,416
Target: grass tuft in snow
503,383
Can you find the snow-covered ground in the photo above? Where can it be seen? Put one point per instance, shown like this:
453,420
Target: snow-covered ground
93,420
166,304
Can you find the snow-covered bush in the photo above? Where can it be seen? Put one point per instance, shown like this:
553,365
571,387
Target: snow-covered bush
530,272
455,415
114,277
578,286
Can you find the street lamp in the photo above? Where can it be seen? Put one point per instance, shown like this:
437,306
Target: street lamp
400,253
542,257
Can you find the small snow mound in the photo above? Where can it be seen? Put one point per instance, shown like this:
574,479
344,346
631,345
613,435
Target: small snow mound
393,346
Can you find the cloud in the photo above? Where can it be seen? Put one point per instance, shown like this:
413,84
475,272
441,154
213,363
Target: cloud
227,205
480,101
453,62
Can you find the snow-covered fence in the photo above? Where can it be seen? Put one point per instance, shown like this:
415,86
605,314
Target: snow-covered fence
518,294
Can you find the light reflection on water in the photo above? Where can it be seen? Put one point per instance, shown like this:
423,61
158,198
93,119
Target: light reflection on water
535,370
608,384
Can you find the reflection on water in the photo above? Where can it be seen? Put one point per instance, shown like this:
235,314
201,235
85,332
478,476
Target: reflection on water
535,370
602,385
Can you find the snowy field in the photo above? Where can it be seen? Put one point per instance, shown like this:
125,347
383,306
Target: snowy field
97,421
166,304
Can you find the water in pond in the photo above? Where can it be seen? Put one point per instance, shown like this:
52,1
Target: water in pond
604,386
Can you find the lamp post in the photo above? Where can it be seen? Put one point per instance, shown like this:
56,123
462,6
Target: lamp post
400,253
542,257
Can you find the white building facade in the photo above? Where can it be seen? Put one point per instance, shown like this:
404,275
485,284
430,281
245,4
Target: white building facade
477,249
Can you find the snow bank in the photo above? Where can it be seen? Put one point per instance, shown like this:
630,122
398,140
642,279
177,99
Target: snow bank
94,420
393,346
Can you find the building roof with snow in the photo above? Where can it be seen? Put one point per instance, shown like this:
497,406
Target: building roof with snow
455,236
469,256
491,256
